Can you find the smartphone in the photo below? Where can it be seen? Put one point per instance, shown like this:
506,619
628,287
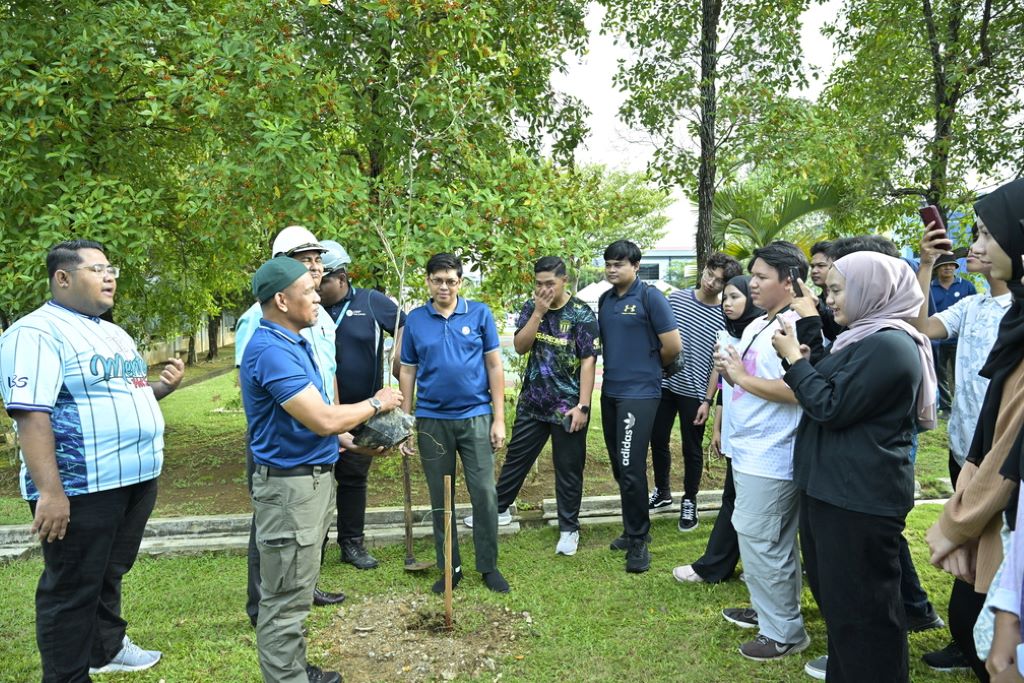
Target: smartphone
794,275
930,214
567,422
724,341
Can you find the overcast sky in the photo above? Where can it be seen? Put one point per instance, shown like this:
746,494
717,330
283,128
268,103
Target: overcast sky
615,145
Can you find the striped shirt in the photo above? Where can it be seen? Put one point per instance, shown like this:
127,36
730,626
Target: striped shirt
88,375
698,324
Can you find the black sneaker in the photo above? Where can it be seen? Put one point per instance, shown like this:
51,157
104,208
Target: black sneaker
638,559
744,617
354,552
659,499
438,586
688,515
622,542
317,675
927,622
948,659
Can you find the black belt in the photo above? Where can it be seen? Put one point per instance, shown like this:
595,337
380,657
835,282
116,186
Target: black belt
297,471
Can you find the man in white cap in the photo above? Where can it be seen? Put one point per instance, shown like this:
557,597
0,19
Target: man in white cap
300,244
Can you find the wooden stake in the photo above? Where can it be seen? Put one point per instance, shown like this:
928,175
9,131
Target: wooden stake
448,551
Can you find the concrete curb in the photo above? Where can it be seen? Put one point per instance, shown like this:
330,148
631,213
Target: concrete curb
167,536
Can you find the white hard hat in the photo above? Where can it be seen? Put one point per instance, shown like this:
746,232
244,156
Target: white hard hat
335,256
295,238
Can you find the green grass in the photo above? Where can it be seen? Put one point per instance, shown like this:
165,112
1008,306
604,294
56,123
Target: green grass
591,621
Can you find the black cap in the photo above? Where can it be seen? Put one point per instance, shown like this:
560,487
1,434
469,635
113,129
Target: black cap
276,275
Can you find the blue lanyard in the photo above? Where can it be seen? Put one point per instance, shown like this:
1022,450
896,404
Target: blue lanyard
348,303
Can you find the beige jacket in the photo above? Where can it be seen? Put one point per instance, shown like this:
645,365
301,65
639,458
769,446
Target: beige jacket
975,509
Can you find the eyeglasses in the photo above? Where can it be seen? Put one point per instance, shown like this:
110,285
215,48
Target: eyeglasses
100,268
439,282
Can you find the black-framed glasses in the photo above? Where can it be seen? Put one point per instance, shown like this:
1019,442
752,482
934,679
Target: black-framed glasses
438,282
100,268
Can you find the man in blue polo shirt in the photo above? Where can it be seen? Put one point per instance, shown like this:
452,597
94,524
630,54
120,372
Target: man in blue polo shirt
298,243
361,317
638,337
292,433
92,440
452,354
946,290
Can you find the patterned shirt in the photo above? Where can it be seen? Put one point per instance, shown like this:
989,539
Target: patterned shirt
551,383
699,324
88,375
974,322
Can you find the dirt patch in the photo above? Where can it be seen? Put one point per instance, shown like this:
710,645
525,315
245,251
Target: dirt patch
401,637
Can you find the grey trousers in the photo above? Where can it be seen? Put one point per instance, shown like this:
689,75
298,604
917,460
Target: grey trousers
438,441
291,519
766,519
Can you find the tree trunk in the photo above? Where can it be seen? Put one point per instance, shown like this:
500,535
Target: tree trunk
191,360
711,11
213,336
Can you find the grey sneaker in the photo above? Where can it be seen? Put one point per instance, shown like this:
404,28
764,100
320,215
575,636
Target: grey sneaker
764,649
816,667
504,519
568,542
130,658
744,617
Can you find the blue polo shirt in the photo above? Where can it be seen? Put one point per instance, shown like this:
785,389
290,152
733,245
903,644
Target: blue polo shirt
943,298
629,343
451,377
276,366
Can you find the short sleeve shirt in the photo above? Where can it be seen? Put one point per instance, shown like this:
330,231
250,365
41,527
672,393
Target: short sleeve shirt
632,362
320,335
699,325
974,322
89,376
448,353
360,321
944,298
551,383
763,432
277,365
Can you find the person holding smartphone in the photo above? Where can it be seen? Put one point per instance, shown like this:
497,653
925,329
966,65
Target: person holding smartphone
560,333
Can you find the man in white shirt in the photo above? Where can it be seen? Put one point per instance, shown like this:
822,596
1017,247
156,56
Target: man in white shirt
765,416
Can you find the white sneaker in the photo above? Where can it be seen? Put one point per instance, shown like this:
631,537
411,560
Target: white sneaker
504,519
686,574
568,542
130,658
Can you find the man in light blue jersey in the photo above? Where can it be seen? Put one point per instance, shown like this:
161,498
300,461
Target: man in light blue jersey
300,244
91,437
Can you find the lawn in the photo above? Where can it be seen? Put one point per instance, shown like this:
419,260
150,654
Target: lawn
587,619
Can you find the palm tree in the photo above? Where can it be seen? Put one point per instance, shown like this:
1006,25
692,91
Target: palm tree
743,218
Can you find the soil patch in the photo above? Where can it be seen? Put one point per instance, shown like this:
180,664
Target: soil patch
401,637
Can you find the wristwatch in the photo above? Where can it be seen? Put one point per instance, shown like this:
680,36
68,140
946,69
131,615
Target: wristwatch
709,401
377,405
584,409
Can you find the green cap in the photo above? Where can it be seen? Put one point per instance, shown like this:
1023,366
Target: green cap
276,275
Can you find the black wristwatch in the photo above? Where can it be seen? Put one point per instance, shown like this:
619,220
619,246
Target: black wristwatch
709,401
584,409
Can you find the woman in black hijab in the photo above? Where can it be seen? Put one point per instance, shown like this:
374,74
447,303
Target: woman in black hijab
974,512
723,551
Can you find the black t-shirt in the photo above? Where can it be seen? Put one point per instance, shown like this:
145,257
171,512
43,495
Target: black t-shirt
365,314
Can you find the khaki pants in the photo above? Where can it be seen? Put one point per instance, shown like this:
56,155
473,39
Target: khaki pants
291,519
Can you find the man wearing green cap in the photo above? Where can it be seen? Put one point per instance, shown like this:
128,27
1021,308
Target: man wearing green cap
301,245
292,434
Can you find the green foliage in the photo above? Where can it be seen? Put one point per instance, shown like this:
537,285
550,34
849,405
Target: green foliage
932,93
747,216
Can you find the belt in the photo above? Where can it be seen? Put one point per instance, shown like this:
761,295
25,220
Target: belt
297,471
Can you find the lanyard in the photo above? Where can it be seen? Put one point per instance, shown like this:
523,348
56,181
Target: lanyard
348,303
758,333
